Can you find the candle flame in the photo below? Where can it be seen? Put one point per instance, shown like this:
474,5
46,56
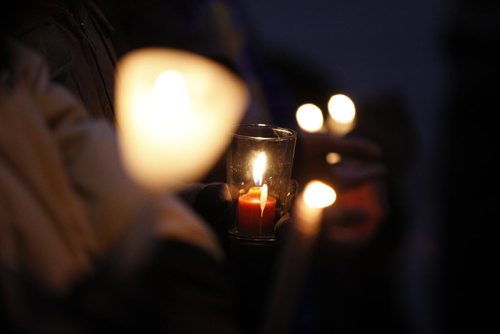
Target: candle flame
319,195
168,112
342,115
263,199
175,112
333,158
259,166
170,93
309,117
341,108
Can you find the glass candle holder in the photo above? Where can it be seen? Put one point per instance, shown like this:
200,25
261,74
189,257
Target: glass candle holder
259,168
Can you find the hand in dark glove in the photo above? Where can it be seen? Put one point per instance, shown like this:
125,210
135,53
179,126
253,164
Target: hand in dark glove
216,203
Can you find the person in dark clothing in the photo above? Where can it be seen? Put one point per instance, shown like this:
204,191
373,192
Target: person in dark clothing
75,39
210,28
470,196
93,36
91,252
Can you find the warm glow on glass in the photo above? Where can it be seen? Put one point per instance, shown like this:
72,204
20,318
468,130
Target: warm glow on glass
259,166
309,117
319,195
333,158
176,112
341,108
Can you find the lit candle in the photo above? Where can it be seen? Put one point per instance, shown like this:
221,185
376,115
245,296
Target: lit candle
310,118
308,209
307,216
342,113
256,208
176,112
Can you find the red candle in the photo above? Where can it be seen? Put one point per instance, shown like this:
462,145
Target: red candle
252,220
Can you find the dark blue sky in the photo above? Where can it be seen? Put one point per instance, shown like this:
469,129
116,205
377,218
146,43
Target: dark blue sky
369,45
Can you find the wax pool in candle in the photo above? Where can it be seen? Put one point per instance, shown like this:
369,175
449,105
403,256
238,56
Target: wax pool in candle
252,220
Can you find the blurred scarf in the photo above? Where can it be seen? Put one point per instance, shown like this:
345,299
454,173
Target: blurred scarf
65,198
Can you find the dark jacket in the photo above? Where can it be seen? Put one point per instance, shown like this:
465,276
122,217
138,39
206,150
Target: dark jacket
82,252
74,37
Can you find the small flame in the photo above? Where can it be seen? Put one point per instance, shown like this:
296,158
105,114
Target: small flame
319,195
263,199
259,166
309,117
341,108
333,158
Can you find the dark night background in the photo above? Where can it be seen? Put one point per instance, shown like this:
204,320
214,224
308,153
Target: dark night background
440,58
438,63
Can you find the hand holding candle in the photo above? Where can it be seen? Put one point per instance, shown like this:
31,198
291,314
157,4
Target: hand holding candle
352,162
307,216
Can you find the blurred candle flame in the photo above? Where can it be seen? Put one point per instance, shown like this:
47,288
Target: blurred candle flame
341,108
342,113
309,117
294,261
171,94
309,208
333,158
319,195
168,110
175,114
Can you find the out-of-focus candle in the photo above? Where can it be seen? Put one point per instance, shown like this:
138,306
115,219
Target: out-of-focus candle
308,209
307,215
309,117
342,113
176,112
256,208
333,158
